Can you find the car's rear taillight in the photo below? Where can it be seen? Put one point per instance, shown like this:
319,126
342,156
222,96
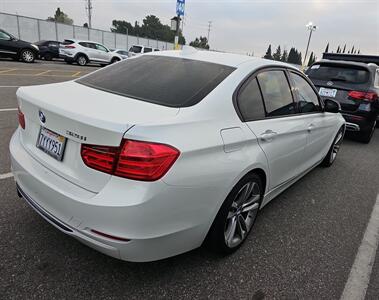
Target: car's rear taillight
70,46
368,96
21,118
100,158
137,160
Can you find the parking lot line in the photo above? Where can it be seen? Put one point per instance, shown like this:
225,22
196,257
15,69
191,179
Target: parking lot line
6,175
7,109
76,74
7,70
42,73
33,75
359,278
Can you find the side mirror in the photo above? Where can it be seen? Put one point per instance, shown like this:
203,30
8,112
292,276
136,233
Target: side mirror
331,106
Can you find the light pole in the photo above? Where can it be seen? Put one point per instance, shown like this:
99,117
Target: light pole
311,27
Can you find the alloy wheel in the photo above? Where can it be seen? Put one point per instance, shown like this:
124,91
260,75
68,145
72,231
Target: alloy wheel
82,60
27,56
242,214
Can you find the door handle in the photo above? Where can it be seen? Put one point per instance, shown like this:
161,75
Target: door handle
311,127
268,135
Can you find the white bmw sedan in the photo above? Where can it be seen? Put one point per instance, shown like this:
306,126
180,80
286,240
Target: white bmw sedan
156,155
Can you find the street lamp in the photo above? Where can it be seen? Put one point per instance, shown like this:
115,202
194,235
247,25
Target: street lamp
311,27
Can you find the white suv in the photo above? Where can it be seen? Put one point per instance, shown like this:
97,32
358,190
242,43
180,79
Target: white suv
139,49
84,52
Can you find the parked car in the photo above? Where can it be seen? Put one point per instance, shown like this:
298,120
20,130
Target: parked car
84,52
48,50
123,53
139,49
355,85
17,49
143,167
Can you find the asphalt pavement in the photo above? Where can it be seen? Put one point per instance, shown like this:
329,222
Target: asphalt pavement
303,245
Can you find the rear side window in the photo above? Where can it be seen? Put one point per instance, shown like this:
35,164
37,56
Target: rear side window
250,102
146,50
342,73
181,82
307,98
276,93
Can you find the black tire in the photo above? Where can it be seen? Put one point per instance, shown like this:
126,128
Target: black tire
81,60
334,148
27,56
221,228
114,60
48,57
103,65
365,136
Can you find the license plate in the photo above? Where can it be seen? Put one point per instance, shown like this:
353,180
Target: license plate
51,143
327,92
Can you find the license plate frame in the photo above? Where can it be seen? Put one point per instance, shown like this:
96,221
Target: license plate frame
44,136
325,92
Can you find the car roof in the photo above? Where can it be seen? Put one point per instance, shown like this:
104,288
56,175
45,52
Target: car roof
228,59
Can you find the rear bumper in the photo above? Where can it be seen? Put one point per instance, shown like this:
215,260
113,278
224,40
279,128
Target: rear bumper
358,122
159,220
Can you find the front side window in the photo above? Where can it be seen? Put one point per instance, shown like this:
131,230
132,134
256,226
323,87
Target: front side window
276,93
4,36
250,102
307,98
101,48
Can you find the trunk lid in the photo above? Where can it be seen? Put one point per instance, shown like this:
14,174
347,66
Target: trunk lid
82,115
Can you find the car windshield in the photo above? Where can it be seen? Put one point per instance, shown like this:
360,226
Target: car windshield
135,49
333,72
181,82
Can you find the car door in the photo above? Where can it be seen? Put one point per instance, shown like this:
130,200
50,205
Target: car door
320,125
103,53
270,113
7,44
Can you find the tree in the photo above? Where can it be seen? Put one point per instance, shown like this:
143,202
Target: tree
312,59
151,28
338,49
61,17
352,50
268,54
344,49
201,42
327,48
278,54
284,56
85,25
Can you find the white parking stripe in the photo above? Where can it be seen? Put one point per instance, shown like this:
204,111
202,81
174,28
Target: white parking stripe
7,109
9,86
6,175
359,278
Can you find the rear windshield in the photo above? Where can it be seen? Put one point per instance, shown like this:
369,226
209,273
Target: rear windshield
330,72
135,49
168,81
67,42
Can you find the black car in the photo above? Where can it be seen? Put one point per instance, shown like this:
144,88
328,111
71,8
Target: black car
355,85
12,47
48,49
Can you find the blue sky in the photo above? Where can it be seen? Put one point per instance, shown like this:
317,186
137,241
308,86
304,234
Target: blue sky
239,26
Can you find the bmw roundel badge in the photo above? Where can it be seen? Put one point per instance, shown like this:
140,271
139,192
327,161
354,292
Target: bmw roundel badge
42,117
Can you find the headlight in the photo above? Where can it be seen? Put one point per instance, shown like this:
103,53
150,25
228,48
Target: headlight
35,46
